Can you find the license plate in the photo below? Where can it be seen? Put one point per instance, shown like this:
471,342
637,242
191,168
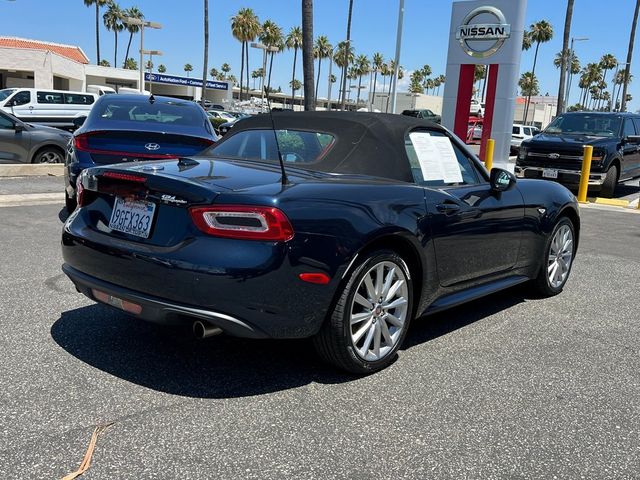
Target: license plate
134,217
550,173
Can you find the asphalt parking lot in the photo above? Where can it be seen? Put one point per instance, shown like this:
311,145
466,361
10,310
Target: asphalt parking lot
511,386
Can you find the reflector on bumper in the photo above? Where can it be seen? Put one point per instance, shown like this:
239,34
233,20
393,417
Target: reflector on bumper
116,302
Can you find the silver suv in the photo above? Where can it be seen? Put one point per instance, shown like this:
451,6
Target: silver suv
22,142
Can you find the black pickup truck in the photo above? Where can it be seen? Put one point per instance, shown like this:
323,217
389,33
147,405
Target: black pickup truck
556,153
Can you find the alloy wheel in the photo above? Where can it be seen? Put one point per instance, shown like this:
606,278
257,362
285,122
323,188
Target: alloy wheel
379,311
50,157
560,256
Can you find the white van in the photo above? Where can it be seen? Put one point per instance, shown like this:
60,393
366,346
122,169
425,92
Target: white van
100,90
56,108
133,91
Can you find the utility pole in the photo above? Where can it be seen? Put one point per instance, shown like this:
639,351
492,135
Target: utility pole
397,61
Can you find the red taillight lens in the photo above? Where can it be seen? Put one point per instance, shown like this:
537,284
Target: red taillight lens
127,177
245,222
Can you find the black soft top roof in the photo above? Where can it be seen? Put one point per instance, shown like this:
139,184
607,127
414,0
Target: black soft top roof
365,143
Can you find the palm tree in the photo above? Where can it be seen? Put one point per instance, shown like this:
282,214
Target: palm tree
214,73
131,64
564,58
132,12
105,63
321,50
391,68
259,73
574,68
619,80
225,68
632,36
348,48
607,62
295,85
378,61
98,4
148,65
362,68
245,27
205,59
479,72
540,32
441,81
416,85
188,68
307,55
343,58
528,84
162,68
294,40
526,40
113,23
271,36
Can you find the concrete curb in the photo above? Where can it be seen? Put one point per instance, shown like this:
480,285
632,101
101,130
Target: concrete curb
26,199
31,170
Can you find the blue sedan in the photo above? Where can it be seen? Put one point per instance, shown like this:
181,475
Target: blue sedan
343,227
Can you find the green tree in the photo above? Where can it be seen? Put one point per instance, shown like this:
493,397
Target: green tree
113,23
245,27
607,62
321,50
564,58
343,57
294,40
188,68
225,68
540,32
131,64
162,68
105,63
271,36
376,67
416,86
526,40
214,73
295,85
97,4
363,66
529,87
132,12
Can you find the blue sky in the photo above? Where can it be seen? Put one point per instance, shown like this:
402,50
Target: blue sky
607,24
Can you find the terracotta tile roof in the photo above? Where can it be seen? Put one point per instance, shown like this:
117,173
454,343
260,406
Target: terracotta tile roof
68,51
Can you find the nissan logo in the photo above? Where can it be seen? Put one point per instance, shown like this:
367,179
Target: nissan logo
474,37
554,156
152,146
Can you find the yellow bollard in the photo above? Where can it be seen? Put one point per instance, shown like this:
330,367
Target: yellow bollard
584,175
488,154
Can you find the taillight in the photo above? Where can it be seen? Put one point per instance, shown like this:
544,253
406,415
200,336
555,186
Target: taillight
245,222
127,177
81,142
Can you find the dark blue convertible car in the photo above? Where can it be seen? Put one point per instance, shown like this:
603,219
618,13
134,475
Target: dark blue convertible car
338,226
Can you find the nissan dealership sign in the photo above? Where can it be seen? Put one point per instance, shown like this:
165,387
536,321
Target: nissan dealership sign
479,38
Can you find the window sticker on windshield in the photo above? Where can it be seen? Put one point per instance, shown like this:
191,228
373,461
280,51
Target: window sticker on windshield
436,156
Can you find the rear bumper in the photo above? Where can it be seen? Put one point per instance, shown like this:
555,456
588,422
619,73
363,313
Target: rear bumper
566,177
161,311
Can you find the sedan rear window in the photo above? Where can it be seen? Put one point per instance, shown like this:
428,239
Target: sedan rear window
296,146
170,113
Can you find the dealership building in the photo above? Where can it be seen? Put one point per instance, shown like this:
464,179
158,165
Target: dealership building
40,64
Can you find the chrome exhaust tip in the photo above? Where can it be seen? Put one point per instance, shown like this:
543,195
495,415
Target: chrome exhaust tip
203,330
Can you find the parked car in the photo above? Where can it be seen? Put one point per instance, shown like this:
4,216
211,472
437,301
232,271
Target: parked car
520,133
131,128
224,128
423,113
22,142
342,240
100,90
557,152
474,129
221,114
55,108
476,108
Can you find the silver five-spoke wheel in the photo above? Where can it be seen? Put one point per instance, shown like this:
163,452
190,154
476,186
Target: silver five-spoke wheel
560,256
49,156
379,311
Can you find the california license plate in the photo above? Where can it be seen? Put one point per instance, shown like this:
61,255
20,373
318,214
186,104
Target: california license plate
550,173
134,217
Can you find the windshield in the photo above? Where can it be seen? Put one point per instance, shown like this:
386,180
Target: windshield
6,93
585,124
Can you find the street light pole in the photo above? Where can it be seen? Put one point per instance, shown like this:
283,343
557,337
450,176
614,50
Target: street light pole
264,49
397,62
151,53
142,24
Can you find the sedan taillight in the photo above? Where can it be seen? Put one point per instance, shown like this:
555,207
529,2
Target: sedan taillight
246,222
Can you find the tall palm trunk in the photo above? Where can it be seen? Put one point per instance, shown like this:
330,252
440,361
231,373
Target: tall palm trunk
115,50
373,94
293,76
533,74
386,110
359,85
318,77
348,45
246,53
206,52
623,105
126,55
98,33
241,70
562,102
307,55
269,77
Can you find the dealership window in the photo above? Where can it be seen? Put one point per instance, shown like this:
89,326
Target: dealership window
50,97
21,98
468,174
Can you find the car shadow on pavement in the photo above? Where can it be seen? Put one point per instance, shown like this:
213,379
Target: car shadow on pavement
170,360
63,214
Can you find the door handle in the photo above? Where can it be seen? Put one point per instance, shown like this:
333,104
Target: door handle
447,208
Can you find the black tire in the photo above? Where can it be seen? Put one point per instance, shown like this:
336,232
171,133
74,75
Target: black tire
611,180
69,203
542,283
48,155
334,342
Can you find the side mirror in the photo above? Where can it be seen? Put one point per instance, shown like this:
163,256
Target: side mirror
633,139
501,180
78,122
18,127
